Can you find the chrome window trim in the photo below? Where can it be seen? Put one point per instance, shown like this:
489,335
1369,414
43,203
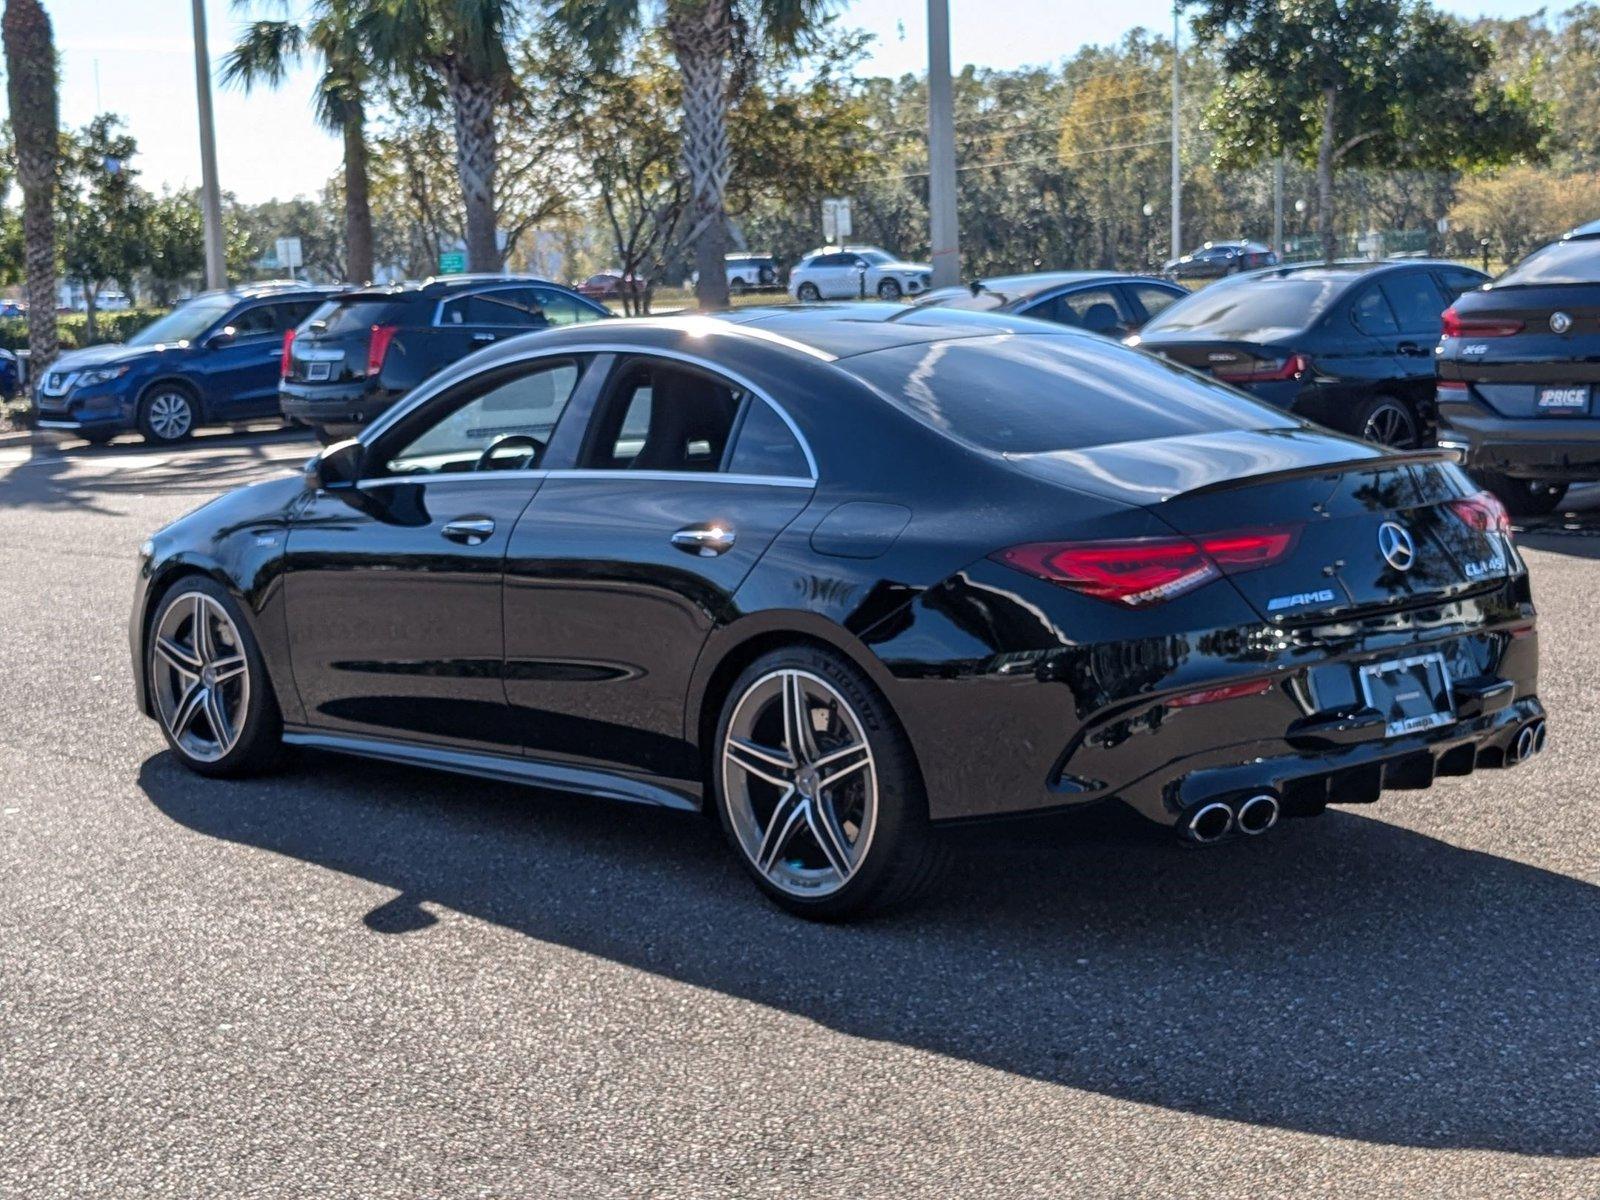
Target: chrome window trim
532,473
438,309
395,412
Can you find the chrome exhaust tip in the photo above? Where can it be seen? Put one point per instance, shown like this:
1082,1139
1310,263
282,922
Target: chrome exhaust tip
1258,814
1538,736
1208,824
1524,747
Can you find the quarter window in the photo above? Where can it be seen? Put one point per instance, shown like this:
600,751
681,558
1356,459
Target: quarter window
518,414
765,445
1153,299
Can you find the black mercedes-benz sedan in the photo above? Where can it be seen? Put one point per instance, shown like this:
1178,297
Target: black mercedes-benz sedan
844,576
1099,301
1519,375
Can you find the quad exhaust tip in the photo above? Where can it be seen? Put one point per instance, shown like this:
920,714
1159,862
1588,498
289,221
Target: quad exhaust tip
1529,741
1208,824
1257,814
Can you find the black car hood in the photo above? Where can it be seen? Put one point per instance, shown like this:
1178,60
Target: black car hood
1148,472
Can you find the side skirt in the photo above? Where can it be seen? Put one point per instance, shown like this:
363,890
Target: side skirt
502,767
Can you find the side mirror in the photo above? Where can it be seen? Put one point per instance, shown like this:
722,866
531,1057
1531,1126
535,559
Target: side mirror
221,338
337,466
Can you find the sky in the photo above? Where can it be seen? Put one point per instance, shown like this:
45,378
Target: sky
136,58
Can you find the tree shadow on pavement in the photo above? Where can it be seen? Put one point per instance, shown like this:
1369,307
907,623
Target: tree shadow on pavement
1342,976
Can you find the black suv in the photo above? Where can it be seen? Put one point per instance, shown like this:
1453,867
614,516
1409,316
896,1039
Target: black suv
1519,375
364,349
1348,344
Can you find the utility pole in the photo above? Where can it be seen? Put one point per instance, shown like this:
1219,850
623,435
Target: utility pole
944,233
1177,179
210,194
1277,205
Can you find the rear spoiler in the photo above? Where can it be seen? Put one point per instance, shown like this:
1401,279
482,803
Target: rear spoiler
1378,462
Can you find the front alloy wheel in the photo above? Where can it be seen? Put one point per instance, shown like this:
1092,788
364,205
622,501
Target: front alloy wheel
206,682
889,289
818,788
166,415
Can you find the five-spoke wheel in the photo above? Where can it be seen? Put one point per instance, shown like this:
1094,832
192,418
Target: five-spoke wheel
817,786
216,714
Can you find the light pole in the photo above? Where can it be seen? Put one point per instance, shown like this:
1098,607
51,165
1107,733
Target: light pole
944,232
210,194
1177,180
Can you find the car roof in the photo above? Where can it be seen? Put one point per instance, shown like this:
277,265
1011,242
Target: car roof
845,330
1583,232
269,287
1346,269
1022,286
445,285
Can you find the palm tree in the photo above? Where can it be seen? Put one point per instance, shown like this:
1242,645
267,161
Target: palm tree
710,40
266,51
31,89
459,47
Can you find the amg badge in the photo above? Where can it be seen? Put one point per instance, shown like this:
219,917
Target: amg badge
1298,598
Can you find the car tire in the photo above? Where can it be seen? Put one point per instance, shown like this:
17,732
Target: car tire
1387,421
98,438
882,850
808,293
167,414
738,288
1523,497
210,691
889,289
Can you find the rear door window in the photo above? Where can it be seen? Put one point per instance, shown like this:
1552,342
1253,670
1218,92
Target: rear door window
513,307
561,309
658,415
1416,301
1095,309
1372,315
1048,392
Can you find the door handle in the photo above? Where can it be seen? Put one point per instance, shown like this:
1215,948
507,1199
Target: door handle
483,339
706,541
1411,348
469,531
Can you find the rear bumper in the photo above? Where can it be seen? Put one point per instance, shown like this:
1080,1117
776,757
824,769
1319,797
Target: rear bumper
1554,448
356,405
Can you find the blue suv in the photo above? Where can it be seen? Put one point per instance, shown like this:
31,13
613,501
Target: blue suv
212,360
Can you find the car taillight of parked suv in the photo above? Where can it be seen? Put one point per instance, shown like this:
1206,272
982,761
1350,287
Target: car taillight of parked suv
364,349
1519,375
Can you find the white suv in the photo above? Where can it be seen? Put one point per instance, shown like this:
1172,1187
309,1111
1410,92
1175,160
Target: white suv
838,273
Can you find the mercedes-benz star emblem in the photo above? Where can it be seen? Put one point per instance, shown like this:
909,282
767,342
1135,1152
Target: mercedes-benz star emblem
1560,322
1396,546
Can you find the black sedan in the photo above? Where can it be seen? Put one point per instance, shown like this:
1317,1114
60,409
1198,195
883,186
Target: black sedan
1349,345
1519,375
1216,259
1099,301
844,576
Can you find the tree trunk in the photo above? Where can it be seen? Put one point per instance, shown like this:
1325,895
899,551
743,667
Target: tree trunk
1330,245
473,102
91,306
31,87
702,37
357,205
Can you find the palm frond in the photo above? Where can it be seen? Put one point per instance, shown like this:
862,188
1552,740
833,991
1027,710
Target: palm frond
264,54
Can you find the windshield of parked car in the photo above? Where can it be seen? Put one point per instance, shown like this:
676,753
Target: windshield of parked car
1563,262
1247,307
1033,394
184,323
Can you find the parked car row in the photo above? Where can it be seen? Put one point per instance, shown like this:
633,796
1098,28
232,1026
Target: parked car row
1404,352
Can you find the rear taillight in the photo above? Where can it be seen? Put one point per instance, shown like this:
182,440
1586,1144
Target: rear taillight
1143,571
1482,511
378,346
1291,367
1455,325
287,361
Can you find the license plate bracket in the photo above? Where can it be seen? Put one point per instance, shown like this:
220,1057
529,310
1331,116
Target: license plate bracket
1412,693
1563,399
318,371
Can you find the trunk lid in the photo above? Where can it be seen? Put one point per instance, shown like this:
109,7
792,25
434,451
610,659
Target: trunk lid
1556,340
1228,360
1372,530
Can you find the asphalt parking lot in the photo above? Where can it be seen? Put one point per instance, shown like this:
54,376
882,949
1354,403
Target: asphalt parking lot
347,979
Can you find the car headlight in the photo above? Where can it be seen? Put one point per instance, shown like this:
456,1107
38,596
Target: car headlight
102,375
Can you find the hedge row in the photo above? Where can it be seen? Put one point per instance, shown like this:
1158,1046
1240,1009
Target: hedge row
74,327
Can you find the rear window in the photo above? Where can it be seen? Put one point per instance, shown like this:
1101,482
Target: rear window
351,315
1239,310
1562,262
1034,394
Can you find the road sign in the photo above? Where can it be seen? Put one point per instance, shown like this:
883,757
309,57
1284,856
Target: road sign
289,254
452,262
836,224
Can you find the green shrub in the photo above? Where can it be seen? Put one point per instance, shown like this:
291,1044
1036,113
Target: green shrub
74,328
